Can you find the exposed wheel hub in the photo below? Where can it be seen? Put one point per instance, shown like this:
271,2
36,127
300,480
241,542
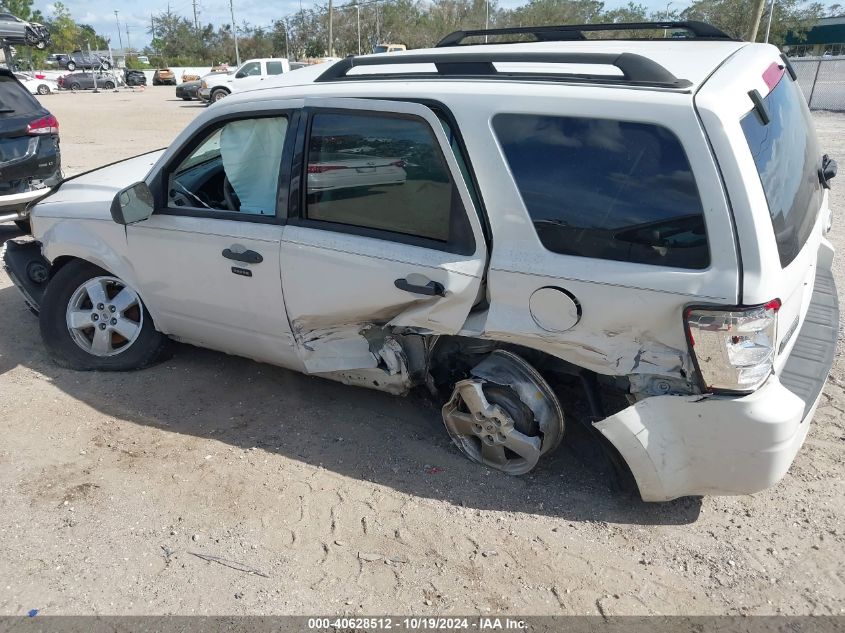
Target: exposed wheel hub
505,417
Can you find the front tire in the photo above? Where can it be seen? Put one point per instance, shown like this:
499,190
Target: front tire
109,85
218,94
92,321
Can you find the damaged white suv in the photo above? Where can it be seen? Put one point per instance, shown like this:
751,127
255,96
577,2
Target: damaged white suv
626,233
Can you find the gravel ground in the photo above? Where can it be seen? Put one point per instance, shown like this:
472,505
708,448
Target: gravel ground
349,500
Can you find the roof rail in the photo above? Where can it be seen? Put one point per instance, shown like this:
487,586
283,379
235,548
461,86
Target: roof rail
636,69
566,32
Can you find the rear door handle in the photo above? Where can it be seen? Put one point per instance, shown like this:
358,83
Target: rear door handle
250,257
432,288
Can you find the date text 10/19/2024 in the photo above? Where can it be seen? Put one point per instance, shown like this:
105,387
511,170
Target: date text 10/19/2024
417,624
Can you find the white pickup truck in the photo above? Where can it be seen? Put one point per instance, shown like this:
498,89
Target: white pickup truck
251,73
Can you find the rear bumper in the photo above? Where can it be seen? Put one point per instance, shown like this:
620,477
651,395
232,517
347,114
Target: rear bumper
698,445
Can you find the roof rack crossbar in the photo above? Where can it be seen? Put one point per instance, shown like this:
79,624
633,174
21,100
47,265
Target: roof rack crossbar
635,69
700,30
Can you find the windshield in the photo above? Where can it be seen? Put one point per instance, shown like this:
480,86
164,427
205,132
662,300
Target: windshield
787,158
380,49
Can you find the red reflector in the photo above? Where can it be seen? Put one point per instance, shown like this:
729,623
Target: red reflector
45,125
772,75
773,305
321,169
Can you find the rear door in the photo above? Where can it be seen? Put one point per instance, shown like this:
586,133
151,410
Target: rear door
381,231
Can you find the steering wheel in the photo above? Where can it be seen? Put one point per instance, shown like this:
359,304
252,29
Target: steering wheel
229,195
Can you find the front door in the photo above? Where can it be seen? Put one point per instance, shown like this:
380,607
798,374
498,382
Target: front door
382,231
207,261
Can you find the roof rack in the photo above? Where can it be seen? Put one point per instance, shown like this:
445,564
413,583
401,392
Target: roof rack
636,70
568,32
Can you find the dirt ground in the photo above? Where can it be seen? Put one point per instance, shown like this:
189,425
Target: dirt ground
352,501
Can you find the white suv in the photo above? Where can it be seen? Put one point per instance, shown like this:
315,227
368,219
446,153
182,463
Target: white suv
627,234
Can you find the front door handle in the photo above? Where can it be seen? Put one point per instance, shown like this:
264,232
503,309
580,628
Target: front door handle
432,288
250,257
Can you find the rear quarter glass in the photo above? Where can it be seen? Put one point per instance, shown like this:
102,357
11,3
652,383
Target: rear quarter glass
606,189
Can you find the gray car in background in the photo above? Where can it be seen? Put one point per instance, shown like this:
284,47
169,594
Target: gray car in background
16,31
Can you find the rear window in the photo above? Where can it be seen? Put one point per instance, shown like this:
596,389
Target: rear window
14,98
606,189
787,158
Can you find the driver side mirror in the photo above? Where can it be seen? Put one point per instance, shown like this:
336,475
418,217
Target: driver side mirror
133,204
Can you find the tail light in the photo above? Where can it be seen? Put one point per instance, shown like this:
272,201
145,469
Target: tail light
399,163
734,348
321,169
45,125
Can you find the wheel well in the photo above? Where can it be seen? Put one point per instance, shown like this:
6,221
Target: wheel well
584,395
63,260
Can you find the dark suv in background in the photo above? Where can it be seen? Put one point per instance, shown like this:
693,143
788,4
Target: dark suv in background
30,162
83,61
134,77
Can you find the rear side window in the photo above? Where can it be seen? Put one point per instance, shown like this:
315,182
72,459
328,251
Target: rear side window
275,68
385,174
606,189
787,158
15,99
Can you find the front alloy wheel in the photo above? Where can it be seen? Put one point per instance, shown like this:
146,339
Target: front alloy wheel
104,316
92,320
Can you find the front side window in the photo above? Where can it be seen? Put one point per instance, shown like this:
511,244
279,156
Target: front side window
275,68
382,172
606,189
787,158
252,69
235,168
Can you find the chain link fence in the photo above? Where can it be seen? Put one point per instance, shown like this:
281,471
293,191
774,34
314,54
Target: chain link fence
823,81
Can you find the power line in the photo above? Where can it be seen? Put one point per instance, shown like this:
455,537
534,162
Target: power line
120,39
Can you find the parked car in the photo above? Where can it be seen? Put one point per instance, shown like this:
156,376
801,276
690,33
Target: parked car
635,243
251,73
134,77
86,81
53,59
188,90
30,162
164,76
331,171
389,48
37,85
16,31
83,61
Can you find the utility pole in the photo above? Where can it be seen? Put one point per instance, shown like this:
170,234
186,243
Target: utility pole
331,43
196,24
755,20
358,11
128,45
378,37
235,33
117,21
769,23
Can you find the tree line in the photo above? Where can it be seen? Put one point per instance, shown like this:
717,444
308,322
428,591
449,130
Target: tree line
361,24
421,23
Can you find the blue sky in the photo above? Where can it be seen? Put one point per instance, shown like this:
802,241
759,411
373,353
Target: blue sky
136,14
